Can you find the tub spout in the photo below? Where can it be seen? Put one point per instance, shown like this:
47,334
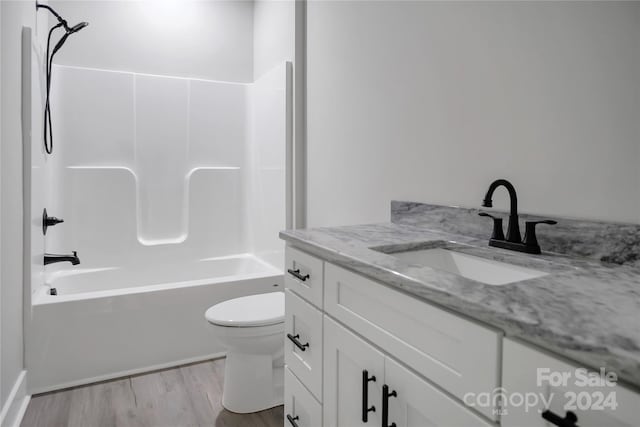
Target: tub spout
53,258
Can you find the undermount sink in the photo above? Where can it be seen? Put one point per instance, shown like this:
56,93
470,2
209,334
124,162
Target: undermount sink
482,270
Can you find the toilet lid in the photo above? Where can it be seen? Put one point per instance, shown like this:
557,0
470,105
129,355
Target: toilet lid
254,310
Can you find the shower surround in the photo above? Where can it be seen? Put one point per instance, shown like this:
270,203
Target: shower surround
173,191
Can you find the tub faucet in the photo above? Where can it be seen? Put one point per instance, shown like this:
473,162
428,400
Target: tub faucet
513,240
53,258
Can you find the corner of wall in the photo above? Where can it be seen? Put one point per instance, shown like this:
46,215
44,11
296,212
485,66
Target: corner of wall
16,405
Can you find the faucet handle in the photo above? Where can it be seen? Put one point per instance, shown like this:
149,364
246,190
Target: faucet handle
497,233
530,238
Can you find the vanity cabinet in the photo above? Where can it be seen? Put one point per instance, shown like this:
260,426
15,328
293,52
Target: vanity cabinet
361,353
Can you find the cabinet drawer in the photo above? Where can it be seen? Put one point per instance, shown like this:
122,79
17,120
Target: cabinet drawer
303,275
299,405
520,377
456,354
303,342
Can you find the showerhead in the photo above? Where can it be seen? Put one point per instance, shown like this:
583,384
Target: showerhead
69,31
77,27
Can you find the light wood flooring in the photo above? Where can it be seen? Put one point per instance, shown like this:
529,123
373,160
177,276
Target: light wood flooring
184,396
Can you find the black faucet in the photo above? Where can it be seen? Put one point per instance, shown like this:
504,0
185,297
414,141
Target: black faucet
513,240
513,229
53,258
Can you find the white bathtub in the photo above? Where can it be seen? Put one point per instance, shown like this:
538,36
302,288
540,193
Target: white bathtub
109,322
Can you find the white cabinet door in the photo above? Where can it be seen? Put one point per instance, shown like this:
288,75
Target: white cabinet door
531,379
417,403
347,392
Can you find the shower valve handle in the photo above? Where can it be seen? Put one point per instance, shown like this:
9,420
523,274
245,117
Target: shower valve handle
49,221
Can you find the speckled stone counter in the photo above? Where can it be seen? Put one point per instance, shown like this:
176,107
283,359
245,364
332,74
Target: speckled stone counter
583,309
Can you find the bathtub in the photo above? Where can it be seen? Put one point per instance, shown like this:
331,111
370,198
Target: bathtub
110,322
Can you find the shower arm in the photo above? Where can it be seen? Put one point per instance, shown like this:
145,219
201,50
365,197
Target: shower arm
54,13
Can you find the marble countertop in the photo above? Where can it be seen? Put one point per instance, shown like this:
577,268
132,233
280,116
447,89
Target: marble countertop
584,310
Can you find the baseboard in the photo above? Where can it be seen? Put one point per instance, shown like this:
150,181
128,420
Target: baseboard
120,374
16,405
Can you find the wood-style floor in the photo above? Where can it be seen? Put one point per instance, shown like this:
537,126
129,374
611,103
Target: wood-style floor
184,396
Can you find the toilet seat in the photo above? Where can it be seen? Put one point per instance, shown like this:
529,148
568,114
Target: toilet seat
251,311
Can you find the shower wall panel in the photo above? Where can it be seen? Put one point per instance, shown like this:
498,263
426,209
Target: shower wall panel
270,127
93,117
152,169
162,137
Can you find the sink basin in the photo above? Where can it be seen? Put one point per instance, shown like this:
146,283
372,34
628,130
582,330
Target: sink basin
482,270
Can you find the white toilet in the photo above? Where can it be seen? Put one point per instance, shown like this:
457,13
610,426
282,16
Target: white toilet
252,330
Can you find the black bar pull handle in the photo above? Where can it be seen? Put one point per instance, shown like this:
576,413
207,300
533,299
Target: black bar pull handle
292,420
296,273
569,420
365,395
296,340
385,405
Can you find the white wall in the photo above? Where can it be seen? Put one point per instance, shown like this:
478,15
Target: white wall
273,34
2,398
277,30
188,38
431,101
14,15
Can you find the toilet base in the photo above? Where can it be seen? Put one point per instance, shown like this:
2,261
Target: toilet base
252,382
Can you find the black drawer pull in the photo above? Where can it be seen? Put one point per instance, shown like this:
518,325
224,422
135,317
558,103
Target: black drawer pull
293,420
365,395
295,339
569,420
296,273
385,405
